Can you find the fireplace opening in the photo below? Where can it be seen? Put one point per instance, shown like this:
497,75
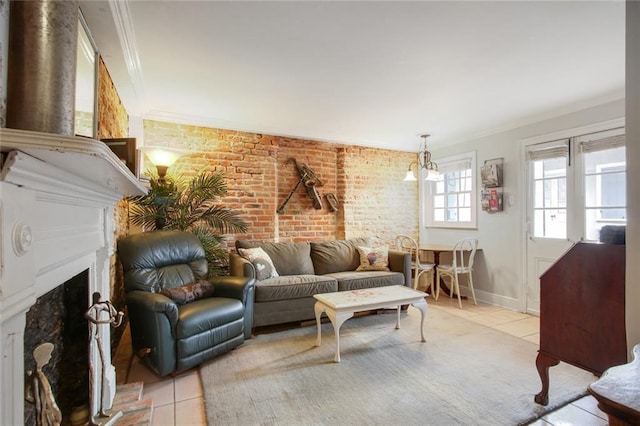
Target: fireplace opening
57,317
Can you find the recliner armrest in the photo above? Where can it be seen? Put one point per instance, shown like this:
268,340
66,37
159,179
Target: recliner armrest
153,302
241,288
233,287
153,318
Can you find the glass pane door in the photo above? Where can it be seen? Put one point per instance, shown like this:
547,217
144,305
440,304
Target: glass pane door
605,190
550,198
548,213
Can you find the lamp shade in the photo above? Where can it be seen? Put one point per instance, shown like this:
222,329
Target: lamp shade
160,156
410,177
433,175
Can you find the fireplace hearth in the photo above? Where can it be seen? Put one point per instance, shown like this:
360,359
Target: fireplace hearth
57,317
57,226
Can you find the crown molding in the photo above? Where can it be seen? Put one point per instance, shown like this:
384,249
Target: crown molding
127,36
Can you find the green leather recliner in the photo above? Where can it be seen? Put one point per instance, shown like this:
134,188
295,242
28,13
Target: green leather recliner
171,337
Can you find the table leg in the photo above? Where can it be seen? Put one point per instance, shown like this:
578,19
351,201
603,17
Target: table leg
319,309
337,319
422,305
398,318
443,285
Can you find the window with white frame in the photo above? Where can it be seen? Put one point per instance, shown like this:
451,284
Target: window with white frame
578,185
604,179
548,168
451,202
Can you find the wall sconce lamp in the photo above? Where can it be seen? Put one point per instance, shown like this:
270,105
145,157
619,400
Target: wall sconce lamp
162,158
424,162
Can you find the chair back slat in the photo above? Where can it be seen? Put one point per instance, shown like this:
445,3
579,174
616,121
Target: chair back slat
464,253
408,244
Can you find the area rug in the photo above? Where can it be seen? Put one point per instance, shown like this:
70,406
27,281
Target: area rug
465,374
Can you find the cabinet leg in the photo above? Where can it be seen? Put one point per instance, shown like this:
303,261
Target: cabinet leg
543,362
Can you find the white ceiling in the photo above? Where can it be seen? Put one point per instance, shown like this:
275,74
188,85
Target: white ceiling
362,72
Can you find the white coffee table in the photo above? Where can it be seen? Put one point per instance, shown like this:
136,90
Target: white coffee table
341,305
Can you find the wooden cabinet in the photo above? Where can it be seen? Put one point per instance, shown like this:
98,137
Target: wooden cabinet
582,318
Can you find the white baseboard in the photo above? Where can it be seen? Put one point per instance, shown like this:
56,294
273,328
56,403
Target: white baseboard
494,299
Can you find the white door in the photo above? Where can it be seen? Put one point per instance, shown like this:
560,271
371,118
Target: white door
549,212
575,187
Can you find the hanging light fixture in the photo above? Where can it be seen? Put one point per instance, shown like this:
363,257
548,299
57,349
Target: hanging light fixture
424,162
410,177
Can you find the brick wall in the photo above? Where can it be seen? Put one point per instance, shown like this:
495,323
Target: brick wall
113,122
376,199
366,181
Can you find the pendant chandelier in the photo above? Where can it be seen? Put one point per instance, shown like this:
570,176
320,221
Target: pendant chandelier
424,162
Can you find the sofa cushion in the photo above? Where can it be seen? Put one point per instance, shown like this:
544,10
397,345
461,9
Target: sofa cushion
261,261
293,287
373,258
336,256
288,258
351,280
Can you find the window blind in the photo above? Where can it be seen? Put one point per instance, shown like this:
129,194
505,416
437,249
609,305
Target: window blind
547,150
601,141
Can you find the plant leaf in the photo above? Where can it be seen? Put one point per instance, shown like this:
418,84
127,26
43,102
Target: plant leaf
189,205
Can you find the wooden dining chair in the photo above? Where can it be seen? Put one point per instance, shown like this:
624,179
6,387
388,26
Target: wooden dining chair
408,244
464,252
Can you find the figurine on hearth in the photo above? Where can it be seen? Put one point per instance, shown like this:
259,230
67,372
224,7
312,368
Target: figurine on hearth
39,389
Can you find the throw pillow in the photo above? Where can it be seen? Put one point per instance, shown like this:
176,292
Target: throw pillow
261,262
373,259
189,292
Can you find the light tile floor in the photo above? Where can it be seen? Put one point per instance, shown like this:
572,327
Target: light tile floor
180,401
176,400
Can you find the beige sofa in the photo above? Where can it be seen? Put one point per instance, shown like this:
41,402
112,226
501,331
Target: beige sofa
308,268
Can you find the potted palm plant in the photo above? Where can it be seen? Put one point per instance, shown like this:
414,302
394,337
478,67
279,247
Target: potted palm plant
178,203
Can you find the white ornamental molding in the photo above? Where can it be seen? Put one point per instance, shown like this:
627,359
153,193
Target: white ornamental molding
22,238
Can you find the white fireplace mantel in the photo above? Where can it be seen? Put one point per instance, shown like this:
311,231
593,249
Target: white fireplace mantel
57,199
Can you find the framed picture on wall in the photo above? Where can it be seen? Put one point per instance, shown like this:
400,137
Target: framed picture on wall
125,149
491,173
491,200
